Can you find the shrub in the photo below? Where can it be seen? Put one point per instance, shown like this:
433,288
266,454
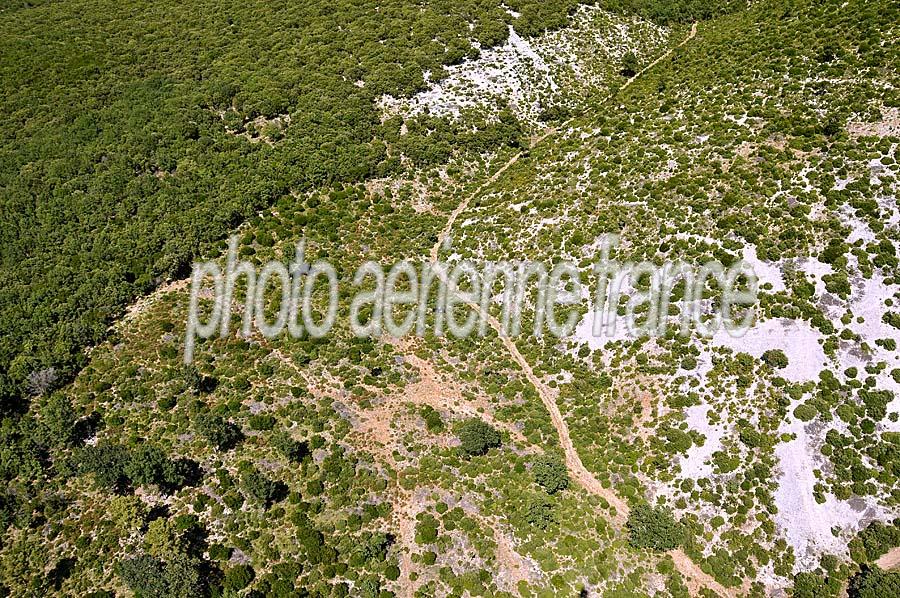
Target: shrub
550,473
150,465
152,578
107,462
222,434
775,358
878,538
432,418
376,547
219,552
60,419
261,421
653,528
805,412
629,65
293,450
127,512
476,437
163,539
426,529
260,488
539,513
810,585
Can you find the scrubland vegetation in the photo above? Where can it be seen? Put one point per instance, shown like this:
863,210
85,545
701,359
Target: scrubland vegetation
138,137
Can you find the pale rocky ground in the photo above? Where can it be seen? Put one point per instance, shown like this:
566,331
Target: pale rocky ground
558,68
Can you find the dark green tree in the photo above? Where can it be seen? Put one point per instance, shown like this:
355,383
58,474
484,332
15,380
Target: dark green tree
238,577
476,437
148,464
540,512
550,473
653,528
107,462
294,450
59,419
222,434
259,488
775,358
872,582
629,65
149,577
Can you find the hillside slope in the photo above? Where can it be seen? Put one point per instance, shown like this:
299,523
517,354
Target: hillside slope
352,466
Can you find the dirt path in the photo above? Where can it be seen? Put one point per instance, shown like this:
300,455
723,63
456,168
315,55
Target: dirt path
694,576
405,523
889,560
465,204
662,57
451,220
573,462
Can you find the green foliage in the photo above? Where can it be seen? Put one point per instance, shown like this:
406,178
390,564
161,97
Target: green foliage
805,412
375,549
218,552
872,582
116,466
133,162
222,434
22,454
433,421
128,512
163,539
238,577
550,473
775,358
878,538
150,465
293,450
149,577
426,529
261,422
653,528
892,318
260,488
107,462
476,437
681,11
669,148
60,419
629,65
811,585
540,512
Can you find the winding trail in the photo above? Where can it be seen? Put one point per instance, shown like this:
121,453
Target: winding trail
576,468
442,237
662,56
464,204
695,577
